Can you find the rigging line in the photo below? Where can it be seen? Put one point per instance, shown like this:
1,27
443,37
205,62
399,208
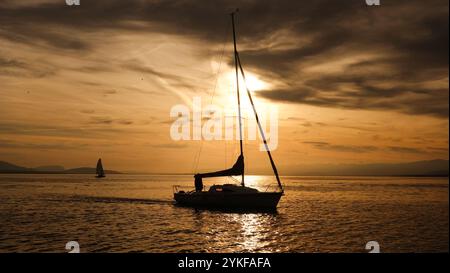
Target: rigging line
234,179
275,171
197,157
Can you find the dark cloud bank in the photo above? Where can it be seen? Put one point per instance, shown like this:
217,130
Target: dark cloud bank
402,45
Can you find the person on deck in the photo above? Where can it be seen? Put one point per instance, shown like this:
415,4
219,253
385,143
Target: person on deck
198,183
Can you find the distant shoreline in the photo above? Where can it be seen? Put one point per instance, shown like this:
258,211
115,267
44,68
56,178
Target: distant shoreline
188,174
39,172
430,168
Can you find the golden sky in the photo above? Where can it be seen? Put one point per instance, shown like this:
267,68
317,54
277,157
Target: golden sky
352,84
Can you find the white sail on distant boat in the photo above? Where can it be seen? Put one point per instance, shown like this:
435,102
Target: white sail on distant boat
99,171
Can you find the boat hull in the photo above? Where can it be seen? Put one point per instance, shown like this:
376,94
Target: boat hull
229,201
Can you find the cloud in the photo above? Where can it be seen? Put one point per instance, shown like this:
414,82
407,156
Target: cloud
87,111
169,146
339,54
11,63
367,149
4,143
393,59
438,149
20,68
413,101
24,129
109,92
341,148
174,80
125,122
109,121
407,150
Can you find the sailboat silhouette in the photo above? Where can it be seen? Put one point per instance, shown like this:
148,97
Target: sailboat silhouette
230,196
99,170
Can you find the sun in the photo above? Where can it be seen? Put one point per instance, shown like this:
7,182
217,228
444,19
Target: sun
254,83
227,85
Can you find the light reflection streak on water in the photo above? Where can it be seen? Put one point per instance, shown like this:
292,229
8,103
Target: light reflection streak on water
237,232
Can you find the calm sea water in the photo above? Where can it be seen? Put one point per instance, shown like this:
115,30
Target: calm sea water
135,213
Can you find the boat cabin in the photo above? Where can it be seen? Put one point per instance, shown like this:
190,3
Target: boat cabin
232,189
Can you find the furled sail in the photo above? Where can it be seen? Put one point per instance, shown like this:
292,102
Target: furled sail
237,169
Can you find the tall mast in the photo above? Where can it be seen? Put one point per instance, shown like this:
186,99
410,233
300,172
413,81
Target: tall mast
237,90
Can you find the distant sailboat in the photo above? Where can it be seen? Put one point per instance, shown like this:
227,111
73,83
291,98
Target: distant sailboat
100,172
230,196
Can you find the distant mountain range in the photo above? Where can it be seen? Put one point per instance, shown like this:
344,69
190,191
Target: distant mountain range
437,167
6,167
